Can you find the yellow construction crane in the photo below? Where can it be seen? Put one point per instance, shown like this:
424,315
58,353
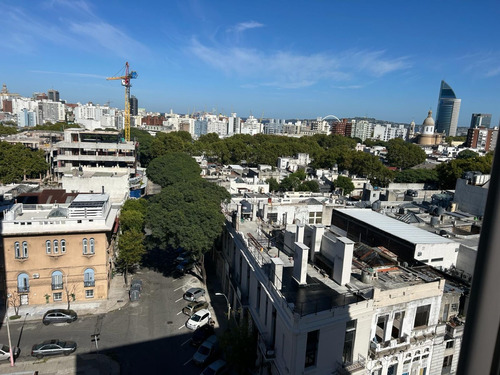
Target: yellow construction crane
126,82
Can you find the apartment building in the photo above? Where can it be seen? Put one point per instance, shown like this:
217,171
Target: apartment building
56,252
321,303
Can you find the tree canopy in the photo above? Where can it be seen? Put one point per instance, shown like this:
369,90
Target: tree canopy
18,162
417,175
174,167
404,155
449,172
344,183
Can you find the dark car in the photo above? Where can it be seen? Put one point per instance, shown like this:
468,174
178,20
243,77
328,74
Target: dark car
193,307
136,284
59,316
53,347
201,334
185,266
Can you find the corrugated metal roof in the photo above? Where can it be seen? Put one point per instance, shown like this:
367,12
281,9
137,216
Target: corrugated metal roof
395,227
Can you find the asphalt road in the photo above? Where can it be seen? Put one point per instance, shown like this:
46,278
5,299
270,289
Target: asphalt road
144,337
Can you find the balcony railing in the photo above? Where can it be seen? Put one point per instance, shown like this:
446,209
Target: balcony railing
89,283
57,286
23,289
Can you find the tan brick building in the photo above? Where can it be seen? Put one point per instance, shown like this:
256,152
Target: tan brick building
53,252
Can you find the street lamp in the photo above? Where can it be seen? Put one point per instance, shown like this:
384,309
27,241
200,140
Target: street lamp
228,305
8,330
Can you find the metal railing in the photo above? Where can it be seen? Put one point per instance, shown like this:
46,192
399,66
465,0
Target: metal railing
57,286
23,289
89,283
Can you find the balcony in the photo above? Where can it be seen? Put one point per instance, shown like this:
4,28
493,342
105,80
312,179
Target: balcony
267,351
89,283
356,367
389,347
57,286
23,289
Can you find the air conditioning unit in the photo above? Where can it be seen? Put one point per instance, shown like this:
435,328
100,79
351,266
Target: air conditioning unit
36,275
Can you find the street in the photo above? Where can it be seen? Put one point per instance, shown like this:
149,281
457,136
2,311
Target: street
147,335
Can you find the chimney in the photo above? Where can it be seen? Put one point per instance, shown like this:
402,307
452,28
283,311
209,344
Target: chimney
238,216
277,274
264,211
342,262
317,236
299,234
300,263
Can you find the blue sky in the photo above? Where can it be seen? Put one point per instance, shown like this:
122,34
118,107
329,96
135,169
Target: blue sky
282,59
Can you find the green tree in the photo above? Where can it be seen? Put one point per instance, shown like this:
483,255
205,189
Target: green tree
18,162
289,183
274,185
7,130
132,219
311,186
300,174
467,154
404,155
344,183
173,168
449,172
188,215
240,347
140,205
131,249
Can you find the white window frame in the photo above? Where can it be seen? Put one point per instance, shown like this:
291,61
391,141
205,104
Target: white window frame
57,296
48,247
92,246
55,245
17,250
89,293
25,249
63,246
85,244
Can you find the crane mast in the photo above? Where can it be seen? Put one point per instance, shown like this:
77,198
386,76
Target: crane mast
126,83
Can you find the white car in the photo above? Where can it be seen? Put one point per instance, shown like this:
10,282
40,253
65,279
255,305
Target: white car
198,319
206,351
5,353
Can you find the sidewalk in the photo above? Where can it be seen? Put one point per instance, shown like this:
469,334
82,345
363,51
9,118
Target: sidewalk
74,364
117,298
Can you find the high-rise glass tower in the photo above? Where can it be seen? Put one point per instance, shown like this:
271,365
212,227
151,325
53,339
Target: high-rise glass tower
447,111
480,120
134,103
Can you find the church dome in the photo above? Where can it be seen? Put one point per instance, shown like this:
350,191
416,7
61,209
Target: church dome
429,121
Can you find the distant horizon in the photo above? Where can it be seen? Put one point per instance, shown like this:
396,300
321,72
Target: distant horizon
271,59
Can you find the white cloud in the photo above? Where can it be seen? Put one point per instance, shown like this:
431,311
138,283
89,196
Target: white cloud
73,74
292,70
239,28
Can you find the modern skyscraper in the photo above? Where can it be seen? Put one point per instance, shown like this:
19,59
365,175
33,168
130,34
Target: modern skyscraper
53,95
480,120
447,111
134,104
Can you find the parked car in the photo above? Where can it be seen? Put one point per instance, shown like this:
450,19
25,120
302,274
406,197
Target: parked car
206,351
201,334
182,257
59,316
215,368
134,295
194,306
193,294
53,347
185,266
136,284
198,319
5,352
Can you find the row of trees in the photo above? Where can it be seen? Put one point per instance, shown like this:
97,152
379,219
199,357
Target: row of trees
18,163
187,212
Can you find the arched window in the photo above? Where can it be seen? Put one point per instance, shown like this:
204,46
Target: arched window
85,245
23,284
63,246
88,277
25,249
56,246
57,280
17,250
92,247
48,248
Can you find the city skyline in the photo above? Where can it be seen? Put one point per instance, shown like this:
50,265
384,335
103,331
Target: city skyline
279,60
